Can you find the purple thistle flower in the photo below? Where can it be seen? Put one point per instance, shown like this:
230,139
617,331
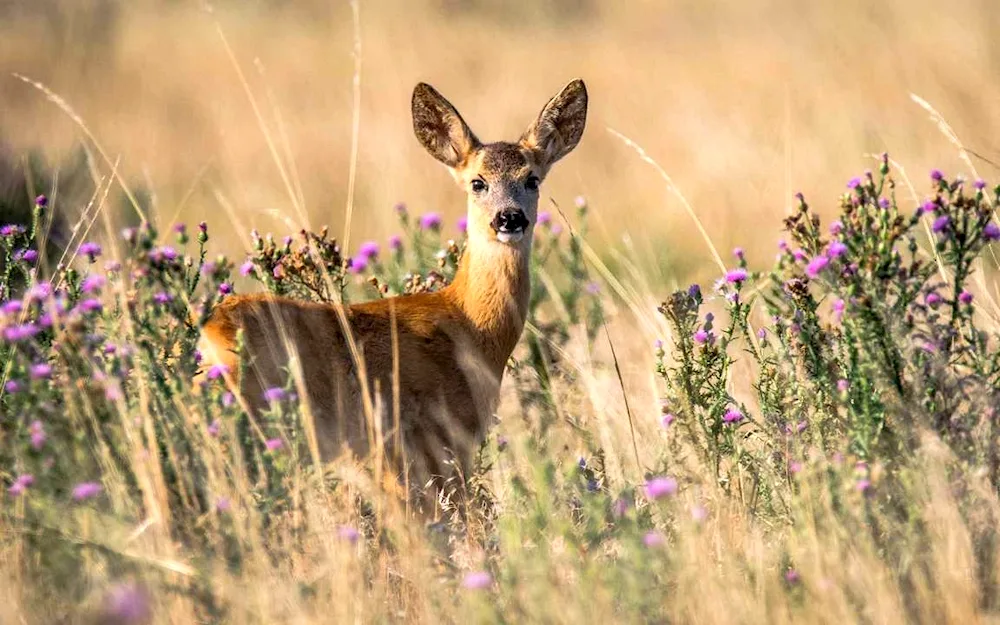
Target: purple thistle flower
86,490
838,310
112,266
701,336
180,228
40,292
667,419
477,580
659,487
941,223
792,576
90,250
593,288
10,230
816,266
836,248
12,386
92,283
127,604
854,183
991,232
937,175
395,242
430,221
217,371
228,399
932,299
980,184
163,298
965,297
738,253
274,395
246,268
836,228
883,202
544,218
41,371
799,255
653,539
737,275
225,288
843,385
202,227
359,264
42,201
927,207
733,415
762,334
699,513
580,201
223,505
12,307
463,224
21,483
274,444
619,508
863,485
20,332
400,209
90,305
348,533
214,428
28,256
368,250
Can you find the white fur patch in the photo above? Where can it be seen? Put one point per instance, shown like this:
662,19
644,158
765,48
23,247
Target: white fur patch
510,237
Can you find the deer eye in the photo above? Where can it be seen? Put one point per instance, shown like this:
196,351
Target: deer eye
478,186
531,184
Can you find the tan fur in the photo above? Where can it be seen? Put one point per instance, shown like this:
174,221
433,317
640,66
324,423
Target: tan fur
451,346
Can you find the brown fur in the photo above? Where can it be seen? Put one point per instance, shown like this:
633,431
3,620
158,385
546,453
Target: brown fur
450,347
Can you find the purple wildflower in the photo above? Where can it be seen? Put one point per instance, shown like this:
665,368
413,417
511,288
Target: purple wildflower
816,266
653,539
991,232
28,256
86,490
463,224
737,275
400,209
544,217
580,201
90,250
395,243
838,310
836,228
12,386
246,268
12,307
348,533
214,428
20,332
980,184
368,250
222,504
738,253
41,371
593,288
941,223
883,202
202,227
965,297
42,201
274,444
162,297
863,485
792,576
667,419
702,337
225,288
112,266
359,264
733,415
836,248
274,395
854,183
92,283
619,508
90,305
477,580
843,385
10,230
932,299
430,221
937,175
217,371
699,513
40,292
127,604
21,483
660,487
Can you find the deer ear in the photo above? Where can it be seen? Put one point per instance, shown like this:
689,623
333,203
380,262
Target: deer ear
439,127
559,126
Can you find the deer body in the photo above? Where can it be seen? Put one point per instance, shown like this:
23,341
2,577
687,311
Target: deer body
432,363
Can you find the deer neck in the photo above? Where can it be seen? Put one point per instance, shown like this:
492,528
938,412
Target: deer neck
492,287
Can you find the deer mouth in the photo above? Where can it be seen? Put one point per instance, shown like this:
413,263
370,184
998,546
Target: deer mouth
509,226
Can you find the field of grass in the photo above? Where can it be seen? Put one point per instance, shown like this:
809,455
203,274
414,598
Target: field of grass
807,438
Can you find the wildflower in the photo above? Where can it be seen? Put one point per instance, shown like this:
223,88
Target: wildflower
854,183
274,395
217,371
400,209
835,249
593,288
991,232
699,513
246,268
430,221
941,223
477,580
358,264
544,218
225,288
222,504
20,332
738,253
927,207
702,337
163,298
127,604
838,310
736,276
932,299
395,243
667,419
113,390
659,487
278,272
965,297
619,508
12,386
92,283
28,256
733,415
794,467
12,307
213,428
816,266
883,202
502,443
863,485
86,490
228,399
801,426
836,228
762,334
937,175
653,539
348,533
843,385
90,250
90,305
274,444
580,201
21,483
112,266
41,201
463,224
368,250
10,230
41,371
792,576
40,292
556,229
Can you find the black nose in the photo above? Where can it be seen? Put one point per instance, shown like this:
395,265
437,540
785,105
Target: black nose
509,221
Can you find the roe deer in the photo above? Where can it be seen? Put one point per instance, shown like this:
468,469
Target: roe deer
443,352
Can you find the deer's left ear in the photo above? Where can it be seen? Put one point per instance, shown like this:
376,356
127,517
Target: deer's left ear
439,127
559,126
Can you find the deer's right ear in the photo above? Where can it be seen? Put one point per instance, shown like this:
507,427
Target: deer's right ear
439,127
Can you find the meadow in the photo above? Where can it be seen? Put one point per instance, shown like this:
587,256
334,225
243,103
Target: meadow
759,378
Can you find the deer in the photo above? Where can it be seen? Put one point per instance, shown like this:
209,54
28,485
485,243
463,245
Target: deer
420,374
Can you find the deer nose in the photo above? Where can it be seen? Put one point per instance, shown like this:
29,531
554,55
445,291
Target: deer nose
509,221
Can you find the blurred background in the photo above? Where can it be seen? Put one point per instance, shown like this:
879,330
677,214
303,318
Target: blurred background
742,103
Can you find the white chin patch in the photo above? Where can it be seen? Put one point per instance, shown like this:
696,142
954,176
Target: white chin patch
509,237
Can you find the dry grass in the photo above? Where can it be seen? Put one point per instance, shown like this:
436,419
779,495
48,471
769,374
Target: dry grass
742,103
